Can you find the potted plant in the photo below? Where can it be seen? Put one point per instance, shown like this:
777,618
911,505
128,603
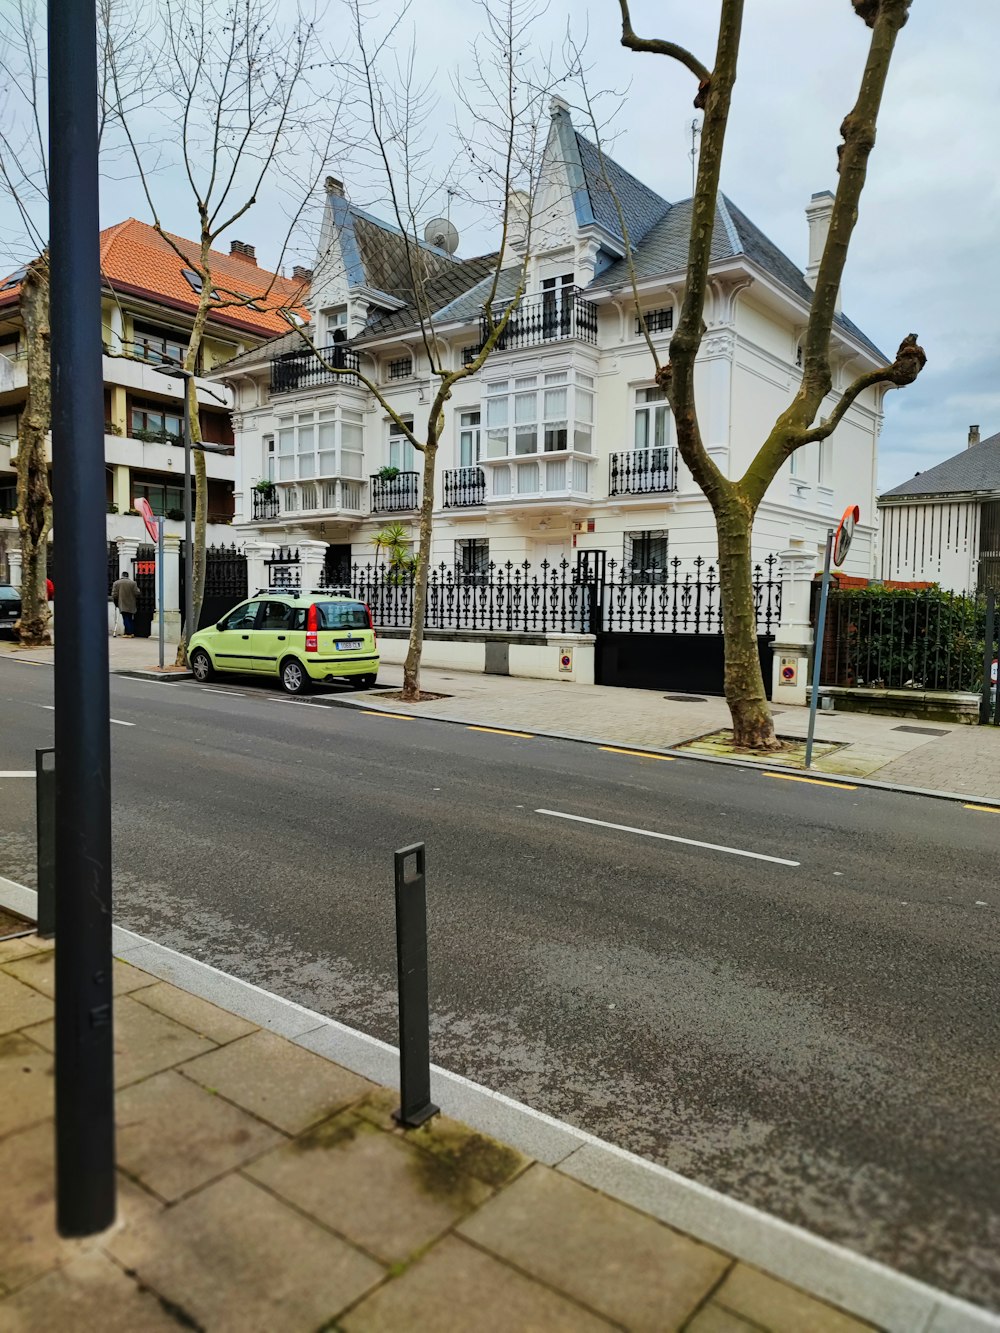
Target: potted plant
264,487
387,473
176,514
112,507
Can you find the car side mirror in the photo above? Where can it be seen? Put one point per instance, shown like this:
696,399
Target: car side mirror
221,625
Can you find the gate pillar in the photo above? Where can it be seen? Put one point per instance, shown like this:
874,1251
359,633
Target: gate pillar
258,570
171,590
793,639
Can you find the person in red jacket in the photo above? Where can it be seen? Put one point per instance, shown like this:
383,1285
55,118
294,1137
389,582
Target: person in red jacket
49,589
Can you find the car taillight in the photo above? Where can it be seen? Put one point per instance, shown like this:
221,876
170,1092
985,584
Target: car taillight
371,623
312,625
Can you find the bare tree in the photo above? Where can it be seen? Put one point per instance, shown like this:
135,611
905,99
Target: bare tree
735,502
232,77
24,179
503,101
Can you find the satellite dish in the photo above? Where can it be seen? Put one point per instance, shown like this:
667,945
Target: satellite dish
440,233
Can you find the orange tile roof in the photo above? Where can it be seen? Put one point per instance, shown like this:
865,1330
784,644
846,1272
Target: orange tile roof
136,259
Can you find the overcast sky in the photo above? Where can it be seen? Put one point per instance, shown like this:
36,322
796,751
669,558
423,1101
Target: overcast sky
925,256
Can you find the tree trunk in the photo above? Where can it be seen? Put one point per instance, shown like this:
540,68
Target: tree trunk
34,498
411,667
753,726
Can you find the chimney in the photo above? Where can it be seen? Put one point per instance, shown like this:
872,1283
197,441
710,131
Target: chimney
334,186
301,274
973,435
558,105
240,250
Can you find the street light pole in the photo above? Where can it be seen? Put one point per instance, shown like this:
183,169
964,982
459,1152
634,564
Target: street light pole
84,1045
186,376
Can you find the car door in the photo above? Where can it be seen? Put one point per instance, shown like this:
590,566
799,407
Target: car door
273,637
232,646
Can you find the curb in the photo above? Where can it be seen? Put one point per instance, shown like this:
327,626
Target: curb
858,1285
161,677
814,775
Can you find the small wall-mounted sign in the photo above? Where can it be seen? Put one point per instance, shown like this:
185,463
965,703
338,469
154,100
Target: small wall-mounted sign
789,670
565,659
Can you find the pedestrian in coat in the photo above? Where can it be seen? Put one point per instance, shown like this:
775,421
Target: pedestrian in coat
125,595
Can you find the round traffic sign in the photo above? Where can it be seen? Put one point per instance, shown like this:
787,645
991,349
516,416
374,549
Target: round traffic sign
146,510
993,672
845,531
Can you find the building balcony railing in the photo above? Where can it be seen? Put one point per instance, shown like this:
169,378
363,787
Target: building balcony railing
559,476
305,370
548,317
395,495
643,471
266,505
335,495
463,486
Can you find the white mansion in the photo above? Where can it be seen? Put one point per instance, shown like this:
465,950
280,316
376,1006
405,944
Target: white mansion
562,443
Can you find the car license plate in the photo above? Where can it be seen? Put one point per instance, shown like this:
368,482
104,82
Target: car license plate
7,624
349,645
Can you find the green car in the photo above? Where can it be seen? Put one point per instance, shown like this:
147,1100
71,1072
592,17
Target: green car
301,638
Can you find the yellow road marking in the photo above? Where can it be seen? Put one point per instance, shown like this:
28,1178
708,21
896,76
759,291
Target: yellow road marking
638,754
377,712
816,782
989,809
499,731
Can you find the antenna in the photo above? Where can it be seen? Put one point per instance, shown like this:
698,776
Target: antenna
442,234
695,131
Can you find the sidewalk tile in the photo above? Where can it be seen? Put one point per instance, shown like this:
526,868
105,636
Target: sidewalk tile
17,948
206,1019
174,1136
370,1186
233,1257
779,1308
39,971
29,1242
713,1319
278,1081
20,1005
27,1083
90,1292
455,1288
145,1042
627,1266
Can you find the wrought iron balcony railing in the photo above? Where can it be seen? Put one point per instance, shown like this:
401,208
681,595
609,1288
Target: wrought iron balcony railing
643,471
464,486
395,495
304,370
548,317
265,504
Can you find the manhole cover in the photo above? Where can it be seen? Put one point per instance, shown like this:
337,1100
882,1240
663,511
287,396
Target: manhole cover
923,731
686,698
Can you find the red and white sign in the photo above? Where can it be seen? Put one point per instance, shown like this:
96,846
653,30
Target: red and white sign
146,510
993,672
844,533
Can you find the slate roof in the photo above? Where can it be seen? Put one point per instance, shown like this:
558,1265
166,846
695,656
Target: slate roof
975,469
383,252
642,207
451,288
137,259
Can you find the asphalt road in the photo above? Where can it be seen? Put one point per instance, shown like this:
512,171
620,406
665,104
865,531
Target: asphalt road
792,996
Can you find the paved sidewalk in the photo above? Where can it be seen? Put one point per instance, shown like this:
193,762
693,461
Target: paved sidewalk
954,757
265,1187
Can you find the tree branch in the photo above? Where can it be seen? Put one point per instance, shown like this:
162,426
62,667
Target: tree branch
910,361
662,48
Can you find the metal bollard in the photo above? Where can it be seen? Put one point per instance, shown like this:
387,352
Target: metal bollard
414,1017
45,843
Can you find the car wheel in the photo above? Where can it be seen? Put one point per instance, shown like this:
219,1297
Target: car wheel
361,682
294,678
201,665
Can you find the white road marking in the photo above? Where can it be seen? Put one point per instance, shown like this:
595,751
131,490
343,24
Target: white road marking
17,773
210,689
299,703
51,708
669,837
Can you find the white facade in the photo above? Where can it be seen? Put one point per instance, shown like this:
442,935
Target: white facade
559,446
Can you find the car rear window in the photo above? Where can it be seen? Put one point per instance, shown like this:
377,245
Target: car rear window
342,615
9,594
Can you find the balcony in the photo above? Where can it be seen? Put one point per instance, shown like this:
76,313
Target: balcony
549,317
464,486
643,472
335,496
395,495
562,477
305,370
265,506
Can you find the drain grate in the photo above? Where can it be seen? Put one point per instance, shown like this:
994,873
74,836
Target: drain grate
923,731
685,698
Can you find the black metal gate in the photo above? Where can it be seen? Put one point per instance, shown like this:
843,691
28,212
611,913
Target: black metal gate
225,582
660,628
144,573
283,569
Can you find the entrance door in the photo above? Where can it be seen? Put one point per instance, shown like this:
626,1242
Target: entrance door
337,565
272,637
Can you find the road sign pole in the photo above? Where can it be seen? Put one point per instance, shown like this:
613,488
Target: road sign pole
159,581
818,647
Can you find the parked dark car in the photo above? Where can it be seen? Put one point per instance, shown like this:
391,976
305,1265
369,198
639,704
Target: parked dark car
10,609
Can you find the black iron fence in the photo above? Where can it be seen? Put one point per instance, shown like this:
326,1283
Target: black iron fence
283,568
265,504
305,369
561,597
565,313
464,486
395,495
643,471
897,638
